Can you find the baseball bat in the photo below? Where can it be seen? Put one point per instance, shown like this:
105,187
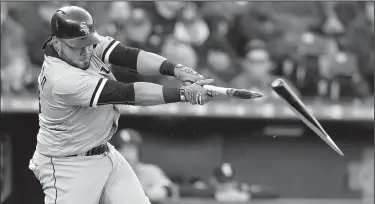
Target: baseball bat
233,92
287,94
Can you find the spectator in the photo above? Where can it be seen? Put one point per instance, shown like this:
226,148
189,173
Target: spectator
98,10
138,29
137,32
119,14
177,51
311,47
256,23
296,17
142,32
155,183
257,72
166,15
341,73
333,26
347,11
35,19
219,17
191,28
226,188
221,65
226,10
366,177
360,41
196,187
15,72
163,15
119,11
257,67
219,27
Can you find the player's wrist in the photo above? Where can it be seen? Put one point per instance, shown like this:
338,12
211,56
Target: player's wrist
167,68
173,94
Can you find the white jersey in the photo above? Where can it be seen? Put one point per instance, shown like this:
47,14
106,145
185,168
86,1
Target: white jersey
70,120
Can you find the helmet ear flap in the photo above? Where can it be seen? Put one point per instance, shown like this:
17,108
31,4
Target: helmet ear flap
56,43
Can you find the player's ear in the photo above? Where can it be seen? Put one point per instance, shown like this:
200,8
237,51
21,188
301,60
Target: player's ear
56,44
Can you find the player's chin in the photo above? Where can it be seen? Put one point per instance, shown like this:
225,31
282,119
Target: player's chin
84,64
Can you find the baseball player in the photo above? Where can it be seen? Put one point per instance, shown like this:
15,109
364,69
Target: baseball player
78,111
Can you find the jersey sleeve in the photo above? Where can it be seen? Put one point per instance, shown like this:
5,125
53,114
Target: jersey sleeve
82,90
105,48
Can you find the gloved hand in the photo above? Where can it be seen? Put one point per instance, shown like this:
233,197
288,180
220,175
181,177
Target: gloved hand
186,74
196,94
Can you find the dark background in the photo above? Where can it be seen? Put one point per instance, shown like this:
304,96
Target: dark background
296,167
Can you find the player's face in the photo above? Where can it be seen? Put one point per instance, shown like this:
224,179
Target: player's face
78,57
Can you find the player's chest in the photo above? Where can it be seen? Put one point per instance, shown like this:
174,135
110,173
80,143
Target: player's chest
98,68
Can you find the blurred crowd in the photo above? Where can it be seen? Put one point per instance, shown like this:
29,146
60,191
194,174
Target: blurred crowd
324,49
221,185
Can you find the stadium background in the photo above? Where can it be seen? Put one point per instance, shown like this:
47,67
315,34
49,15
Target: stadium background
324,49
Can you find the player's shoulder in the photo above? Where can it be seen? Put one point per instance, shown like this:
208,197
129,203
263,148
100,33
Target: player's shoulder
105,47
107,39
105,43
57,69
58,75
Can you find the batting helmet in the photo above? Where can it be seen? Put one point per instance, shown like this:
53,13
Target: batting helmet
75,26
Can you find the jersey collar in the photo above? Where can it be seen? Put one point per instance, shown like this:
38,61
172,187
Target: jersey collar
50,51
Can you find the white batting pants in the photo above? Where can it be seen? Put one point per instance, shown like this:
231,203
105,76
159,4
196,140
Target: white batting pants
99,179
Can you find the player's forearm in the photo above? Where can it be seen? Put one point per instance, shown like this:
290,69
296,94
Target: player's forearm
142,62
138,93
146,94
153,64
150,64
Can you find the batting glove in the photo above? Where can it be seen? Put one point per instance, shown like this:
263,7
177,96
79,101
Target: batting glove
196,94
187,74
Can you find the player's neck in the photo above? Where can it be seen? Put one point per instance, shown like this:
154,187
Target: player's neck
50,51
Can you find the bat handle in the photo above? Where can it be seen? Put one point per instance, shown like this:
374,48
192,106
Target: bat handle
186,83
216,89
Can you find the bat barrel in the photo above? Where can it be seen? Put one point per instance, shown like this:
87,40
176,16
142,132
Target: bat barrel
287,94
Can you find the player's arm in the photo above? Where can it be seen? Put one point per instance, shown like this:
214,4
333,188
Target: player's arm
86,90
148,94
143,62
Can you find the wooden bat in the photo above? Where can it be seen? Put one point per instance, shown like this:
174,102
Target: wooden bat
286,93
233,93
